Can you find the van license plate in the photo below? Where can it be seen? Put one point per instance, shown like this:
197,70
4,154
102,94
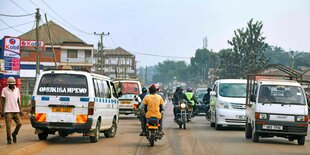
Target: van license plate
58,109
273,127
125,102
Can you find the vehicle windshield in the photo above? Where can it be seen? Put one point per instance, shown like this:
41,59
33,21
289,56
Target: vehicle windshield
128,87
236,90
63,85
200,93
281,94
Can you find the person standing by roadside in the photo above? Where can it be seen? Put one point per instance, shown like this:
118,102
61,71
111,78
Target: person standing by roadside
11,108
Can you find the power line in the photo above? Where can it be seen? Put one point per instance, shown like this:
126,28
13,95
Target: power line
16,25
164,56
51,16
19,6
112,41
10,26
66,20
6,15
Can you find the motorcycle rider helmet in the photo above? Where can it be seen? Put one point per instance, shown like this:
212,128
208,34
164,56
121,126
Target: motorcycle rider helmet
144,90
152,89
189,89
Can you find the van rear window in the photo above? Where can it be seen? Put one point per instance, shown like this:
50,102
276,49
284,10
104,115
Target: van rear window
63,85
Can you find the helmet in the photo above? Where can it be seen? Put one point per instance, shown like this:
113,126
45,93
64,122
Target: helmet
155,86
152,89
11,80
144,90
189,89
209,89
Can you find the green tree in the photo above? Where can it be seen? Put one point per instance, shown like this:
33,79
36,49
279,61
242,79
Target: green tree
248,46
169,69
203,60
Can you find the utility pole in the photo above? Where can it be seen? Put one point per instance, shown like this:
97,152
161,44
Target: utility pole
50,37
145,74
101,49
38,17
292,59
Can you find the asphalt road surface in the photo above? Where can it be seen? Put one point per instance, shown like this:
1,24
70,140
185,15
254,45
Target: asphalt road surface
198,138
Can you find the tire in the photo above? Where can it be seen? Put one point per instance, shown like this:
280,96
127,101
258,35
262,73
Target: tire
184,123
218,126
63,133
255,137
301,140
152,138
248,130
111,132
43,135
95,138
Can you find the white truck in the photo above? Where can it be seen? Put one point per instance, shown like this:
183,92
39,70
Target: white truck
276,105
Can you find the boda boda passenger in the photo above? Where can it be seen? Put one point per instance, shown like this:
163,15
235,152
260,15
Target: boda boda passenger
153,107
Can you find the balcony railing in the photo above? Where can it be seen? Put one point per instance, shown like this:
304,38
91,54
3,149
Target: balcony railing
77,60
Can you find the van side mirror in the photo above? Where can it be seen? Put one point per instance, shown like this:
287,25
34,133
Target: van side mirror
253,98
212,93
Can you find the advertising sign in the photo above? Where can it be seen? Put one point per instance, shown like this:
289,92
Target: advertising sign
31,45
12,44
11,56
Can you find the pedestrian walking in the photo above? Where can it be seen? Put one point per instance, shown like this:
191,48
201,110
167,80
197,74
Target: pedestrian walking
11,108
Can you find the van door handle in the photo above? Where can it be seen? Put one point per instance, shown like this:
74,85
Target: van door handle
59,105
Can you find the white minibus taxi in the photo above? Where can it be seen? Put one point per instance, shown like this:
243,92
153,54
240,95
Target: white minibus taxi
70,101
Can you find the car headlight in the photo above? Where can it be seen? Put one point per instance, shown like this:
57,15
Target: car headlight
261,116
223,105
302,118
183,105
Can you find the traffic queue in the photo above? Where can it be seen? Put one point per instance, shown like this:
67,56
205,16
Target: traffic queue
67,101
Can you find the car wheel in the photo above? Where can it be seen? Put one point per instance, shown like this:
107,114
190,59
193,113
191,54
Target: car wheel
255,137
248,130
43,135
301,140
111,132
95,138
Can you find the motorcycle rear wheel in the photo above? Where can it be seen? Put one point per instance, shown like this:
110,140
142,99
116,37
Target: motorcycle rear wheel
152,137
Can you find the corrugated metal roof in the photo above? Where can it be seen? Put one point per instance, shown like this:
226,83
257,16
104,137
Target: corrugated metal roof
59,35
118,51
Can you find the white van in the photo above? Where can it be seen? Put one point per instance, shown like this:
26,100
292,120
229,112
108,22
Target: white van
130,89
277,108
227,103
69,101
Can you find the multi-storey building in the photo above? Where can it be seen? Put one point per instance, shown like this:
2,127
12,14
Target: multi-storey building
116,63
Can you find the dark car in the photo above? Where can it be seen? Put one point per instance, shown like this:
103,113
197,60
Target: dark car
198,98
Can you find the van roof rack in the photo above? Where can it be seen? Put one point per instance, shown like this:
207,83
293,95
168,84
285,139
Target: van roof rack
68,67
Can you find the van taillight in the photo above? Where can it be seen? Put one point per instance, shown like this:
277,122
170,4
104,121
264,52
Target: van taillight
91,107
33,107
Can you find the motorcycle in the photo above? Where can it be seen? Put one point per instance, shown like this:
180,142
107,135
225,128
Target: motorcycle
181,116
152,130
190,110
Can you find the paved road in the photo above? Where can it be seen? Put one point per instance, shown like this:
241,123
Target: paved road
198,138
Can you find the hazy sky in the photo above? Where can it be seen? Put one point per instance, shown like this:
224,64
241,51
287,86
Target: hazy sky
167,27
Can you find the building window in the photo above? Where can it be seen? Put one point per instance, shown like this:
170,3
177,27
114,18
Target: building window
72,53
87,53
48,53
